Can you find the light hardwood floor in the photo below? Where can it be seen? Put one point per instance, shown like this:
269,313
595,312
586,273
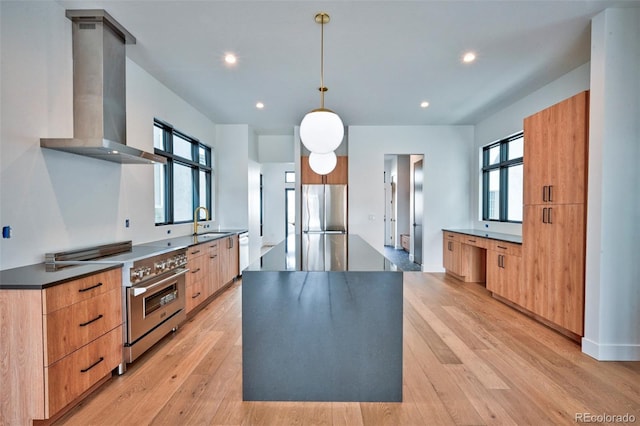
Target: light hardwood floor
468,359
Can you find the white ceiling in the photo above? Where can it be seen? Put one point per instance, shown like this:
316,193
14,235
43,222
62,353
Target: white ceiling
382,58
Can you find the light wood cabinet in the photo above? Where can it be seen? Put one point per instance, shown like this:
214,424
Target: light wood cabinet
554,219
338,176
211,266
504,277
555,153
465,261
61,342
405,242
229,259
452,255
554,252
203,278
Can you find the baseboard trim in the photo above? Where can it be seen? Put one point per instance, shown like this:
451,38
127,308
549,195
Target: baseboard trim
608,352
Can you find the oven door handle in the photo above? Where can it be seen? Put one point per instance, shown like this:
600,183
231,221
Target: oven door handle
137,291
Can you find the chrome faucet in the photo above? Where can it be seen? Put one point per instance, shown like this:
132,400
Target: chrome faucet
195,218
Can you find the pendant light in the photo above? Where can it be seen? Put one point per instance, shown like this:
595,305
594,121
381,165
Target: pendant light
323,164
321,130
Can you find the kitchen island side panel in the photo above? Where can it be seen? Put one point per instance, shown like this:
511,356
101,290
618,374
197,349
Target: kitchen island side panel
322,336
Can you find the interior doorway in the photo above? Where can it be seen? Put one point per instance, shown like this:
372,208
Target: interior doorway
418,203
290,212
403,209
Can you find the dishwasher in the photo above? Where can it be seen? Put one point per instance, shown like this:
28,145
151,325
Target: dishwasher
243,240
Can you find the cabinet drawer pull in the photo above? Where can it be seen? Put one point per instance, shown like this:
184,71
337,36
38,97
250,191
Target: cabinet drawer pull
82,290
195,270
502,247
196,295
195,252
84,324
472,241
214,246
84,370
214,256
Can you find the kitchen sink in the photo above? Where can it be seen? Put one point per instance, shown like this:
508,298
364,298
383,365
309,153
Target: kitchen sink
212,234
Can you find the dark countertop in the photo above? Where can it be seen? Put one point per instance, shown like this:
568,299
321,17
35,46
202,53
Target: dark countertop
192,240
323,252
36,277
509,238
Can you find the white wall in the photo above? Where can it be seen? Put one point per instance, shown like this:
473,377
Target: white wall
275,148
232,142
446,151
274,201
54,200
612,321
510,121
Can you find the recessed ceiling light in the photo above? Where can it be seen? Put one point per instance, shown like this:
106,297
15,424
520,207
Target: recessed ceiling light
469,57
424,104
230,58
259,105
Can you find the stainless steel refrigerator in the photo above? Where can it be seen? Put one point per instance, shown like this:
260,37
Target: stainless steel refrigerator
324,209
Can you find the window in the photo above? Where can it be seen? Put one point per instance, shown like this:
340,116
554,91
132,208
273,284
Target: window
184,183
290,177
502,179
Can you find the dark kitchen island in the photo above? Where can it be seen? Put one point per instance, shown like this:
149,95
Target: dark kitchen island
322,321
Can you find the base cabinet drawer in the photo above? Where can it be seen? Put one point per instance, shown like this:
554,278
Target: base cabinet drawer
196,293
70,377
74,326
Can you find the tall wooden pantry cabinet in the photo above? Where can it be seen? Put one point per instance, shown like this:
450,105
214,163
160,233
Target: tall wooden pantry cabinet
553,228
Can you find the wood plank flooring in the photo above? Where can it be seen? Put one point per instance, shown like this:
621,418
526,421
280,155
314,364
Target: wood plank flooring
468,359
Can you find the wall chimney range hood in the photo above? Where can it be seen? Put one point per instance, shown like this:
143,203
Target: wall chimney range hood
99,112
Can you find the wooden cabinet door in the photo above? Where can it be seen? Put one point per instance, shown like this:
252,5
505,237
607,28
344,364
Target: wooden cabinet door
536,254
229,259
214,266
555,153
554,263
536,138
567,156
451,258
339,175
565,277
494,273
308,175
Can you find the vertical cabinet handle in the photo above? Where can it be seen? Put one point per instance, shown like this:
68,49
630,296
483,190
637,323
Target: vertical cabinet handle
549,215
550,193
544,193
544,215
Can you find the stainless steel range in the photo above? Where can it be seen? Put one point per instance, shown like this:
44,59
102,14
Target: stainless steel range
153,289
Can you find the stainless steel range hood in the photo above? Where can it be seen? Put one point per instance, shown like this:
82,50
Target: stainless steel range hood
99,112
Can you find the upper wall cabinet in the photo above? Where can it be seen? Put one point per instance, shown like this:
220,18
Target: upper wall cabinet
338,176
555,153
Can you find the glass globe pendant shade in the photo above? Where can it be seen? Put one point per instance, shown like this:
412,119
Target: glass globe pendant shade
321,131
323,164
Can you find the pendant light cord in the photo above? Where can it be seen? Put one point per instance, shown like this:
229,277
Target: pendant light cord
322,88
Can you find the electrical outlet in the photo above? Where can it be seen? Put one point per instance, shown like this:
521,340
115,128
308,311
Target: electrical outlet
6,232
126,223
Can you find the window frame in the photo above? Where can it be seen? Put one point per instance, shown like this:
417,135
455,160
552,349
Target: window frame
503,166
168,133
